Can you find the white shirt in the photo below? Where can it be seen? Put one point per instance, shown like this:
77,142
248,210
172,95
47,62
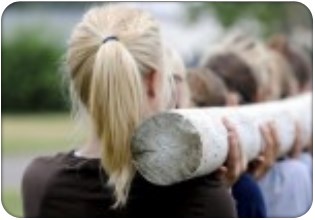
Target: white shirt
287,189
307,159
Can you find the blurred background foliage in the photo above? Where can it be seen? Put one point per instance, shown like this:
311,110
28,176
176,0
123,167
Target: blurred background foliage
31,80
273,16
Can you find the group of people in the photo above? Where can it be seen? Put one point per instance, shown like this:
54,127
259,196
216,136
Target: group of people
120,73
241,70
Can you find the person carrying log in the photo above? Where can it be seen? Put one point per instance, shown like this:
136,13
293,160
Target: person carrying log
118,77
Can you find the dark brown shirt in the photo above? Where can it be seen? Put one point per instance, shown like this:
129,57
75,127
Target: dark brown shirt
68,186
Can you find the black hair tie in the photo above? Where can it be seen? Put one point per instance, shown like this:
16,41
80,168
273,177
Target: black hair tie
110,38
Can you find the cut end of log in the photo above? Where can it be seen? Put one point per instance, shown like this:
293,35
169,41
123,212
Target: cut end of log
166,149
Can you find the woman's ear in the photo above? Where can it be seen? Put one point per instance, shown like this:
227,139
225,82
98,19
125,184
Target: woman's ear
150,81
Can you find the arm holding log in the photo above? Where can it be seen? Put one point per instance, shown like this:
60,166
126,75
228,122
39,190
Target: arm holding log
182,144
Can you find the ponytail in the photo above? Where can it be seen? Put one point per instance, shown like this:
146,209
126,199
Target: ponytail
107,79
116,98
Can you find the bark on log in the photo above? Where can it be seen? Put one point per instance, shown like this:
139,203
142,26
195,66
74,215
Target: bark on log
182,144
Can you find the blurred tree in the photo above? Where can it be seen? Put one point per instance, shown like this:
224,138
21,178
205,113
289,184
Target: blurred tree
30,79
274,16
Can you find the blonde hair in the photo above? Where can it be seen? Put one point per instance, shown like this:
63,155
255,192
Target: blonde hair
177,68
282,79
106,78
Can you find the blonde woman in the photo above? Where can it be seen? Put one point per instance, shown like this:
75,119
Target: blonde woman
118,76
179,76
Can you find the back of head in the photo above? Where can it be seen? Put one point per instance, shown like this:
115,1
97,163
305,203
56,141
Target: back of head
176,62
249,52
206,88
297,58
282,80
109,53
236,74
178,73
255,54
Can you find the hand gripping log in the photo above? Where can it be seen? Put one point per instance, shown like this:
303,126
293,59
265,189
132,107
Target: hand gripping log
181,144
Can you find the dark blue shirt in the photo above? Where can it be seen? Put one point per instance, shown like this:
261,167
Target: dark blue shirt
248,197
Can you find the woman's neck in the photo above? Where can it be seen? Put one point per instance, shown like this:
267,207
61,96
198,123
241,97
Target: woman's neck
92,148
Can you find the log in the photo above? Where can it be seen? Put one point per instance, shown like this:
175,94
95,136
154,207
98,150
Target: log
181,144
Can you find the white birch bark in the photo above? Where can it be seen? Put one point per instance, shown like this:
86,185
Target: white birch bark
185,143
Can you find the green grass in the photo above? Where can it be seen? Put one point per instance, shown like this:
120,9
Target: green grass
30,133
11,202
43,132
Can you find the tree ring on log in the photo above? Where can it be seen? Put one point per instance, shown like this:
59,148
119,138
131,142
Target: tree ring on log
173,155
